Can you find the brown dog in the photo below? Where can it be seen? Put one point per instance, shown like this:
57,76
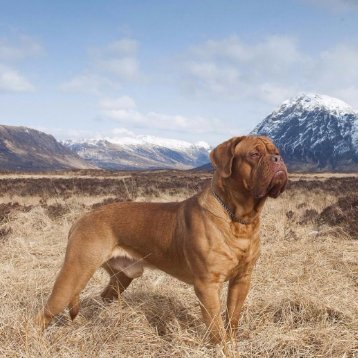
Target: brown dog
205,240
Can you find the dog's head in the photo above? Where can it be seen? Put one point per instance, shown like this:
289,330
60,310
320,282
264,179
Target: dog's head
251,164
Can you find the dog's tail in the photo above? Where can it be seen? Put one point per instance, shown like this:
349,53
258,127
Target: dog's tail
74,306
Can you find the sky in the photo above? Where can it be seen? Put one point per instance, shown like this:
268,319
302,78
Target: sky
183,69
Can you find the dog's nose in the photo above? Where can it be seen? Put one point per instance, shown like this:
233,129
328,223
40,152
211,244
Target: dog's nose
276,158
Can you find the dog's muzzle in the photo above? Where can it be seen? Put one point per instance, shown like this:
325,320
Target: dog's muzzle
279,179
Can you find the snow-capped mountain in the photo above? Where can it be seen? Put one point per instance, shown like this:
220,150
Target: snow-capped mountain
140,152
314,132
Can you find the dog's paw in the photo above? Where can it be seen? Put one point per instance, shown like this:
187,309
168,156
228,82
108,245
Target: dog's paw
40,321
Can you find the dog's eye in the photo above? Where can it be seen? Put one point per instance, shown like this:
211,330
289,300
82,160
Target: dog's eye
254,154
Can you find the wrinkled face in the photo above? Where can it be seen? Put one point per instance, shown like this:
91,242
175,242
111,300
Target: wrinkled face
258,162
253,163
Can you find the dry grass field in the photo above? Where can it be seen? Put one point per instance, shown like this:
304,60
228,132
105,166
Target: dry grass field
303,301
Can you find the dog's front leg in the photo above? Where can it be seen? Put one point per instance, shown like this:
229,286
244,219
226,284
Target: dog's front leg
208,294
237,292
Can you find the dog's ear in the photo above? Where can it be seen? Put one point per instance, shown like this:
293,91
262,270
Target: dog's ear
222,156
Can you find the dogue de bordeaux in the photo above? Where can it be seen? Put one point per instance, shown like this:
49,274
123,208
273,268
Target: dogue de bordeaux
208,239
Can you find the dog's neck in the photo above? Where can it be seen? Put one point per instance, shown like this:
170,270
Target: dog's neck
240,205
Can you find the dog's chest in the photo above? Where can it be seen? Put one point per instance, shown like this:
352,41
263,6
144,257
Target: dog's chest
243,246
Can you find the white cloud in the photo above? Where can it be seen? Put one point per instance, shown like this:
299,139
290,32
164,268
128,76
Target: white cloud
13,81
214,77
233,50
19,48
335,73
108,68
125,68
89,83
122,108
125,111
118,58
269,71
15,49
338,64
335,5
233,69
123,46
123,103
122,132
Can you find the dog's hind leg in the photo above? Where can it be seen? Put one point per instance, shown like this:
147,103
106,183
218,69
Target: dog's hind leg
118,282
74,306
81,261
122,270
68,285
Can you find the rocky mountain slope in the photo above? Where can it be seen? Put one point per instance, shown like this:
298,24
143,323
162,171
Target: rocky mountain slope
314,133
143,152
27,149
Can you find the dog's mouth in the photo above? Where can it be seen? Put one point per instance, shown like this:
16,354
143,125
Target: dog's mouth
270,178
278,184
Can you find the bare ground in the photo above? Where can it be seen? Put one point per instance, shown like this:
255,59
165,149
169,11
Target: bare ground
303,300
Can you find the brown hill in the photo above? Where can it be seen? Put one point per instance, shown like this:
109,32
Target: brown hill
27,149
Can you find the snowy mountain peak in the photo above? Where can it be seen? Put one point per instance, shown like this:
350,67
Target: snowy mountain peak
141,140
314,132
156,141
314,101
202,144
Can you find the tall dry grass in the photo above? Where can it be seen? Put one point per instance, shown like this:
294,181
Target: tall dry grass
303,300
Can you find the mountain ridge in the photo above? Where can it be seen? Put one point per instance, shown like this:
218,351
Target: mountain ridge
314,133
142,152
23,148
